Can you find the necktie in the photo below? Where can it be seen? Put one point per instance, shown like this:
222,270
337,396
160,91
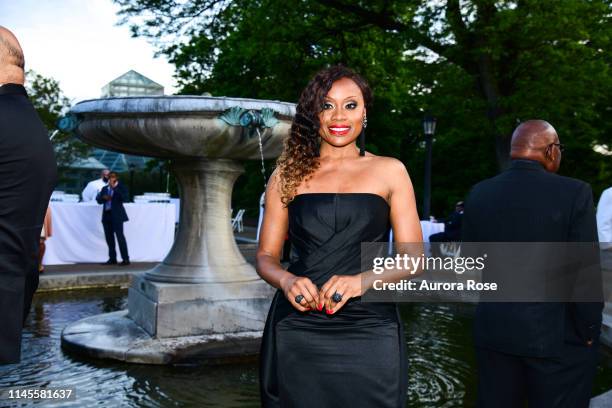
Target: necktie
107,205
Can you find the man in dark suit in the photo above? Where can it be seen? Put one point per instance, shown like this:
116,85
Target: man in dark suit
541,353
28,174
112,197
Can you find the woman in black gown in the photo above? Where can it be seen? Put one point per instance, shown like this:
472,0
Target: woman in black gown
321,346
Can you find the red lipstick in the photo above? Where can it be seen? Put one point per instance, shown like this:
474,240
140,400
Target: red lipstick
339,129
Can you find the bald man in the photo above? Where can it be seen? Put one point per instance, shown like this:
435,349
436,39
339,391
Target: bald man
28,174
536,354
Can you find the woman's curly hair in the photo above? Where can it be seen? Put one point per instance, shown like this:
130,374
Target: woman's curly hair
299,158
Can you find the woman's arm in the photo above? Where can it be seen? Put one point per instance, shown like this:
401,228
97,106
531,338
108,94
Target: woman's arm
48,222
404,216
404,221
271,238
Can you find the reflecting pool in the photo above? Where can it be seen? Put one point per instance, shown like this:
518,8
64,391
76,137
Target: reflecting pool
442,364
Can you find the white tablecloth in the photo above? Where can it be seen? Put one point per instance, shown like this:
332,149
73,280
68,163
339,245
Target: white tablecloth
430,228
427,228
78,236
177,208
604,219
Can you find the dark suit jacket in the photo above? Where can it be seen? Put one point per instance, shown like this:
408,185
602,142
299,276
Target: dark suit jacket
28,174
117,213
452,226
528,204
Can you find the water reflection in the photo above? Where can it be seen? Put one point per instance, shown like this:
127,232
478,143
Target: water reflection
440,352
442,363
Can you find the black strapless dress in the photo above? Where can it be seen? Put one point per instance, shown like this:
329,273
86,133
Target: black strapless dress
355,357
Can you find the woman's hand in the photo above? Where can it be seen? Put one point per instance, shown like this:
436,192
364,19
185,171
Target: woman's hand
349,286
293,285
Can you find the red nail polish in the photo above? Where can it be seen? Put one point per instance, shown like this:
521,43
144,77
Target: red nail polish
320,307
328,311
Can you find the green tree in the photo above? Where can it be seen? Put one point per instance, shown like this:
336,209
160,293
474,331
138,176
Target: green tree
480,66
50,103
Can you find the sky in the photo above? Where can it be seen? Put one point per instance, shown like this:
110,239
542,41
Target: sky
78,43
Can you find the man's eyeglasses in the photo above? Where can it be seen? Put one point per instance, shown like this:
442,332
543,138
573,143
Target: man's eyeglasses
561,146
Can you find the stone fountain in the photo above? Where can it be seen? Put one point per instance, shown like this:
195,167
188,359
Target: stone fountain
204,300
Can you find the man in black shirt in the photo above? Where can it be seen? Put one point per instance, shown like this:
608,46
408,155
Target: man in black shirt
28,174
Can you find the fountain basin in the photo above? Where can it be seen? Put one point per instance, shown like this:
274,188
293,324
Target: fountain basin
174,127
117,337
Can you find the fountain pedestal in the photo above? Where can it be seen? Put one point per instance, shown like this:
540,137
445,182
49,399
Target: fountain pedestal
204,249
176,309
204,285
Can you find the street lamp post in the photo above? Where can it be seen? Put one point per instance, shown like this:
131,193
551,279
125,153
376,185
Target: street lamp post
429,128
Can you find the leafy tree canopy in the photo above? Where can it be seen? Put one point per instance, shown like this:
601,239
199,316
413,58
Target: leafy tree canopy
480,66
50,103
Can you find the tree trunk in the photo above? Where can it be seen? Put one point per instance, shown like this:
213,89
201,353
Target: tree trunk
502,150
490,90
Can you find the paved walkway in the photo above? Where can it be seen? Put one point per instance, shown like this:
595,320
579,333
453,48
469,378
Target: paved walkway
94,275
82,276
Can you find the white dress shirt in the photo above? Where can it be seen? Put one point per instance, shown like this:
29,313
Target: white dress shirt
92,189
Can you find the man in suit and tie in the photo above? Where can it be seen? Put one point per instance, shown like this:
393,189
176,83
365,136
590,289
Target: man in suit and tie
112,197
543,353
28,174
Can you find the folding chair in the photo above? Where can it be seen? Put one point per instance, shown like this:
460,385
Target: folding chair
237,221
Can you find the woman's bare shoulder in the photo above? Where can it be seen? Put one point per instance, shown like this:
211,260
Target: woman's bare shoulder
273,187
388,171
389,165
